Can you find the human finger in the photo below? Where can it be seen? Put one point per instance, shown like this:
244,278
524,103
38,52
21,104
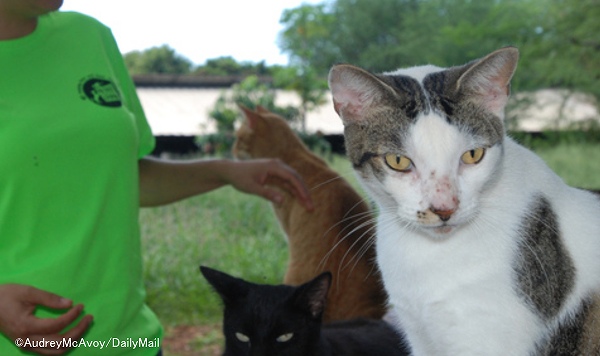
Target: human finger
53,344
42,326
41,297
78,330
293,183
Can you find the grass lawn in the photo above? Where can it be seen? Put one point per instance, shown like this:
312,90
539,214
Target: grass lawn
239,234
224,229
577,164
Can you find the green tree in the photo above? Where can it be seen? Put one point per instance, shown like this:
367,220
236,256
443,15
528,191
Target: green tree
567,52
229,66
558,39
374,34
388,34
163,60
308,84
448,33
305,39
362,32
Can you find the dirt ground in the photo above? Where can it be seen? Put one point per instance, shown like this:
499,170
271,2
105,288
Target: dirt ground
193,340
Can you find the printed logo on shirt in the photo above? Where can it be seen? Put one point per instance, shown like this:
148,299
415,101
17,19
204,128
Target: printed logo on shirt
100,91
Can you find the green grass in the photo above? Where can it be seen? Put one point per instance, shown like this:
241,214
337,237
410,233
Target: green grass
224,229
239,234
577,164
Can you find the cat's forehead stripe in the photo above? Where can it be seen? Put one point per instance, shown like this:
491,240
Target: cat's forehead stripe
437,87
436,93
410,88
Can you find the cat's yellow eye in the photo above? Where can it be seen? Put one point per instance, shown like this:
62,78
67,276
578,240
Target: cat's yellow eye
242,337
473,156
285,337
398,162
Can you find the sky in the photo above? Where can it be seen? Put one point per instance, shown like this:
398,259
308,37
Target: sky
246,30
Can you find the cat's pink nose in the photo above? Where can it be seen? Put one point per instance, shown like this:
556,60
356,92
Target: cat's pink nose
444,214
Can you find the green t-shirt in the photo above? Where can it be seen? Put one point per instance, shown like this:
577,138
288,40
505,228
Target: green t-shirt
71,133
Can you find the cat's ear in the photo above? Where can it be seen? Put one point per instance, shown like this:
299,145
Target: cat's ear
312,296
229,288
262,110
251,116
355,92
488,79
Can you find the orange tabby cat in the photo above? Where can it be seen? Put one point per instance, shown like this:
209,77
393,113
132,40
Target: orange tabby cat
337,236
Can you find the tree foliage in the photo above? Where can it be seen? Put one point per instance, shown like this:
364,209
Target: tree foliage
163,60
568,53
229,66
305,82
558,39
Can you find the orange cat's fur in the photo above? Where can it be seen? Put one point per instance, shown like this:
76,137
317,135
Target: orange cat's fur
336,236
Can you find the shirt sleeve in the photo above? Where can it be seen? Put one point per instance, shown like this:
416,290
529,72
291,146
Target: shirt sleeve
130,97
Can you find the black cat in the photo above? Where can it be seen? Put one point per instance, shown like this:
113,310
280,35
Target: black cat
284,320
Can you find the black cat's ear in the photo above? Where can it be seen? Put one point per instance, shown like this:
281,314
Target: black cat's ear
229,288
487,80
312,296
355,92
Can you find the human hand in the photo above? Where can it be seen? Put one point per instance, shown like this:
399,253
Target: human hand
258,176
17,305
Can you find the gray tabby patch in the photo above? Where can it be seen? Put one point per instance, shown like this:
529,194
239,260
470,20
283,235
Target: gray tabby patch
544,269
568,337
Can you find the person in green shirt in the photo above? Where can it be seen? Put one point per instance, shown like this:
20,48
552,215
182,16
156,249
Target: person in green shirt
74,172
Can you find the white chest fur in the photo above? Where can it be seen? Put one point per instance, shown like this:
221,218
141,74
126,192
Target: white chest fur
455,297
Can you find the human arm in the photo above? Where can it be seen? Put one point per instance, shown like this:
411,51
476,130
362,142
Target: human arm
17,321
163,182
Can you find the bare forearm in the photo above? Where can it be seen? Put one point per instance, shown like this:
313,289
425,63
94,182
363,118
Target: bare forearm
163,182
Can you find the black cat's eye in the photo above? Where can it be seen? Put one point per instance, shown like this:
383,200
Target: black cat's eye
285,337
398,162
241,337
473,156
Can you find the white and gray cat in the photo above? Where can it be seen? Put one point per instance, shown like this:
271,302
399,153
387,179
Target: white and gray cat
482,248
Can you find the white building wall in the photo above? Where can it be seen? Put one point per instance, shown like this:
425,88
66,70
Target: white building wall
184,111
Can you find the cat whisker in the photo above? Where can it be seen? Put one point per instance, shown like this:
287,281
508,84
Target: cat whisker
363,250
368,220
357,204
325,183
357,256
341,240
346,218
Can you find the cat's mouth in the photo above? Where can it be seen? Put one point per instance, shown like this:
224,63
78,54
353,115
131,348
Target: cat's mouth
444,229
